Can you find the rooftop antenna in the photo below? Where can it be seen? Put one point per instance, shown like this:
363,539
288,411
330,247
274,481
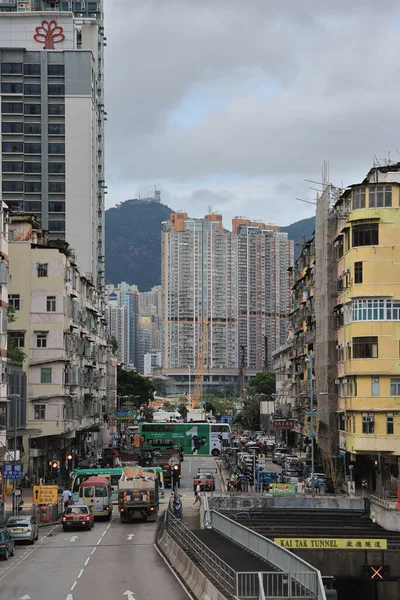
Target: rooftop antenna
307,201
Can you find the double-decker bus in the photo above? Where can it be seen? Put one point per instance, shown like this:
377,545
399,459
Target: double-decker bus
80,475
194,438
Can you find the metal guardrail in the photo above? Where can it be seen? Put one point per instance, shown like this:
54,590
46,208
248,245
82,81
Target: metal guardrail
277,585
219,570
391,504
281,558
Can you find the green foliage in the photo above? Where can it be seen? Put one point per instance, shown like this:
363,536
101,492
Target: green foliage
114,345
160,386
262,383
168,406
133,242
11,314
218,406
147,414
139,390
14,353
183,411
249,416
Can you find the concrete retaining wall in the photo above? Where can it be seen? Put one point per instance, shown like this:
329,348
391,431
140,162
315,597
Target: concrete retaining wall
197,582
387,517
246,502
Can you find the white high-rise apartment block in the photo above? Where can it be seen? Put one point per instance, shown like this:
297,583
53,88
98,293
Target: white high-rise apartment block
199,285
117,320
52,114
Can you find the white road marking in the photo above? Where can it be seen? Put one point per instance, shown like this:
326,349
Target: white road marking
93,551
98,542
87,560
73,586
80,573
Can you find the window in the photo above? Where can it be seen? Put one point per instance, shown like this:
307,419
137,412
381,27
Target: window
339,248
39,412
31,69
12,186
33,167
42,269
56,89
358,272
56,225
375,309
33,187
11,68
7,127
56,187
32,109
389,424
56,148
12,167
51,304
32,89
32,128
395,387
14,300
57,207
57,70
45,375
56,167
379,196
33,206
12,108
41,340
374,386
365,234
56,109
368,423
56,128
18,337
11,88
365,347
12,147
359,198
339,284
33,148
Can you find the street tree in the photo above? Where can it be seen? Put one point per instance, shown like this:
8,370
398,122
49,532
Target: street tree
136,389
262,383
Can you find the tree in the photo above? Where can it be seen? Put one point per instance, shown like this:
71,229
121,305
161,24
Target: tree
147,414
114,345
263,383
168,406
183,411
138,390
13,352
159,385
249,417
218,406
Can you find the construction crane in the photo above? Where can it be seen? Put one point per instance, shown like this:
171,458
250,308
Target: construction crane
200,365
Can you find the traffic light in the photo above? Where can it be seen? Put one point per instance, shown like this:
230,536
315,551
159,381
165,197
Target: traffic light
69,462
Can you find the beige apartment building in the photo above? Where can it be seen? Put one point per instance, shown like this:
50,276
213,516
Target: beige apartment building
61,327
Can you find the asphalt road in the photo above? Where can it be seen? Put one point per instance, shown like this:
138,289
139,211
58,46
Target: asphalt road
112,561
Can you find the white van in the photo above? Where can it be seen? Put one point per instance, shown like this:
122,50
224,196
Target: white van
164,416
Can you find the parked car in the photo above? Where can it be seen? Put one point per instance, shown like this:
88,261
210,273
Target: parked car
78,515
278,452
7,544
322,482
23,528
280,459
290,477
307,464
290,461
206,482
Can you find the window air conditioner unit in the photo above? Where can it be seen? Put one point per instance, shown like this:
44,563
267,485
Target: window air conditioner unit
337,381
348,344
345,381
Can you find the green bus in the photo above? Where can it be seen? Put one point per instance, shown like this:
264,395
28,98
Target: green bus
80,475
194,438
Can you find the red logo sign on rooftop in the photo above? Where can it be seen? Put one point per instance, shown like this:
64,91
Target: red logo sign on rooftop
49,33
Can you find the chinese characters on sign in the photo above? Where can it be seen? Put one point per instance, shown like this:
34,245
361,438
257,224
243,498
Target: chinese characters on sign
332,543
284,489
11,471
45,494
283,424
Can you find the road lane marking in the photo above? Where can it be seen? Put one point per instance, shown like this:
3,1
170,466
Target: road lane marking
98,542
93,551
18,563
87,560
80,573
73,586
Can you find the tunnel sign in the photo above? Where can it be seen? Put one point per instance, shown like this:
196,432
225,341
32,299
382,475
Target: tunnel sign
332,543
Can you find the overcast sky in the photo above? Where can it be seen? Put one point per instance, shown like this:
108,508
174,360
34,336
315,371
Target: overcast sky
233,103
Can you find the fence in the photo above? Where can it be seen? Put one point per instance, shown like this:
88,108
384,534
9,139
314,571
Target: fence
46,513
259,585
273,553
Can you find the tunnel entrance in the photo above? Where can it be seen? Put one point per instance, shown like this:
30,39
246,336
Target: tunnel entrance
357,589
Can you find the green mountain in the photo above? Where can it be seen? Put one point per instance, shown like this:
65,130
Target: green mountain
299,232
133,242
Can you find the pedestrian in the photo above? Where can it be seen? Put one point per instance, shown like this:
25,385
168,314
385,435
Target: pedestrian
364,487
197,494
66,496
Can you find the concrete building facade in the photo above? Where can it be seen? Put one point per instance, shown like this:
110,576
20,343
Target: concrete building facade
61,327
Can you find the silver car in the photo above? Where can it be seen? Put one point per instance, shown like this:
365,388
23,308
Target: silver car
24,528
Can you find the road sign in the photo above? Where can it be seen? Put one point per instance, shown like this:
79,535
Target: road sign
173,461
226,419
261,460
45,494
11,471
124,413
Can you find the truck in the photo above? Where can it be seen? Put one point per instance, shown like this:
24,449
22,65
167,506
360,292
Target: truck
138,495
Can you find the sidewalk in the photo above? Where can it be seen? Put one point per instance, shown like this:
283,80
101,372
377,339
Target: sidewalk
29,507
